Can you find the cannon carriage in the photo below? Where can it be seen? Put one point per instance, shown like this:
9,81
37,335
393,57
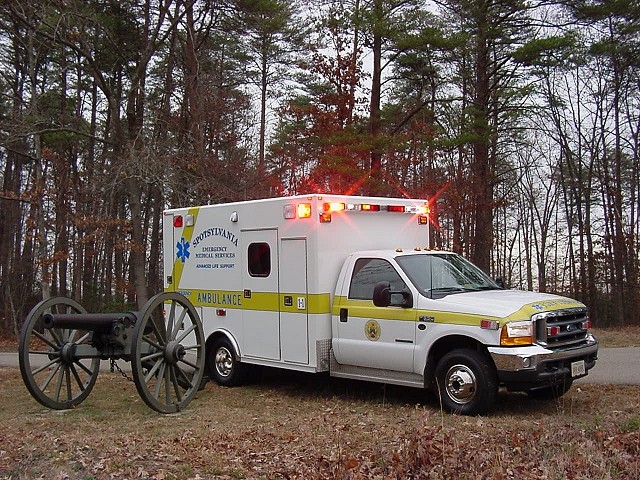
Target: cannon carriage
61,347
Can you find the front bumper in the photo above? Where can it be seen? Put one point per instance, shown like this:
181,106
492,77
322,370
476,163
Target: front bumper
523,368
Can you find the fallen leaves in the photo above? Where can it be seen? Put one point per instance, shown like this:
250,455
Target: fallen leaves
285,429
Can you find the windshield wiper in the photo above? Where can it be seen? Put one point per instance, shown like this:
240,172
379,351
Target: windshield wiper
447,290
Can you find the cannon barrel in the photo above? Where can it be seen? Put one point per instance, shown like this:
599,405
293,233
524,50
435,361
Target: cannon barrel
93,322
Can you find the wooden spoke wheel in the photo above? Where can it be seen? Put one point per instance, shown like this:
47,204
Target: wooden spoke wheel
167,353
50,369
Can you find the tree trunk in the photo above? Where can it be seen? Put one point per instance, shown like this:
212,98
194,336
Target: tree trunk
483,163
374,112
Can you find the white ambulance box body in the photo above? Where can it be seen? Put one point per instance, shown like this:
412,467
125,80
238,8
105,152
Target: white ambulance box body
263,273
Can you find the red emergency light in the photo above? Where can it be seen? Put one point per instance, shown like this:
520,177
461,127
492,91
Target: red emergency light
395,208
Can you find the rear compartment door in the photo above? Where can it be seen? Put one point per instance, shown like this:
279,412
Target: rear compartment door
294,318
260,292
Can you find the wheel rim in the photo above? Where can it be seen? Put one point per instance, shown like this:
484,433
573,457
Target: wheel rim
168,353
461,384
224,362
50,369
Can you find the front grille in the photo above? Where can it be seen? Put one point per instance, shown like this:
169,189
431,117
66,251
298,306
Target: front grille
561,328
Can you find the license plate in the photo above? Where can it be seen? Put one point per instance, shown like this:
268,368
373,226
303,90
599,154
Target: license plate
577,368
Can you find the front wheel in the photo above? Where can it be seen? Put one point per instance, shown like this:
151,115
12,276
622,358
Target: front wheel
466,382
222,364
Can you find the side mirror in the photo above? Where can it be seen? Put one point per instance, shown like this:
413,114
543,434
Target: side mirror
382,296
500,282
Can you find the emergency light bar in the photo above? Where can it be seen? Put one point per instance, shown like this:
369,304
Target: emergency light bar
330,207
303,210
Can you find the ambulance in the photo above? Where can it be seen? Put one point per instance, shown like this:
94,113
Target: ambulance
349,285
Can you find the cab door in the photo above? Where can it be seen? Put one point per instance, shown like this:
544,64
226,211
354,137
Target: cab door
370,336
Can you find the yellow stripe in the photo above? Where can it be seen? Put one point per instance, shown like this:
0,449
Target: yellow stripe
366,309
264,301
178,265
317,303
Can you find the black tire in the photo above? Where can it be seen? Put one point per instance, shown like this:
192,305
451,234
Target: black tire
551,392
466,382
223,364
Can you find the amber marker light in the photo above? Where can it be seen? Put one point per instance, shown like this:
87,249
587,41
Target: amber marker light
515,334
304,210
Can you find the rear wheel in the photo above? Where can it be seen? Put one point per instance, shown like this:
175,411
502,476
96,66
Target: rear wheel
223,365
466,382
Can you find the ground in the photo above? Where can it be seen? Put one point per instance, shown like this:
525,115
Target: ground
287,425
315,427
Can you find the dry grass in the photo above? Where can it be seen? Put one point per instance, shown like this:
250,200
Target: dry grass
628,336
296,426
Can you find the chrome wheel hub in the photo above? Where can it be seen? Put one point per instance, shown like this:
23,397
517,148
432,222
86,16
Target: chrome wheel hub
461,384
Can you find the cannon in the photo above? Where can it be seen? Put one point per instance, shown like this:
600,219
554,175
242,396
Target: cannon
61,346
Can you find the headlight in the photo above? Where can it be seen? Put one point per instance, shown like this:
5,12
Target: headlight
517,333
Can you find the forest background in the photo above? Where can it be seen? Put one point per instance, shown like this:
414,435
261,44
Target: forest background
518,119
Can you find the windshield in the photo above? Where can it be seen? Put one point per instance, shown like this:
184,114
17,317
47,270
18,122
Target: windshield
438,275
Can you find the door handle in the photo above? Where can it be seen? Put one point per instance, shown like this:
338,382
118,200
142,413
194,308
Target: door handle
344,315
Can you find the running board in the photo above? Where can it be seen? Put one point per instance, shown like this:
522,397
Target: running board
392,377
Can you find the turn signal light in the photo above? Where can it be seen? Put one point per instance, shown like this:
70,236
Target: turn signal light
516,333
